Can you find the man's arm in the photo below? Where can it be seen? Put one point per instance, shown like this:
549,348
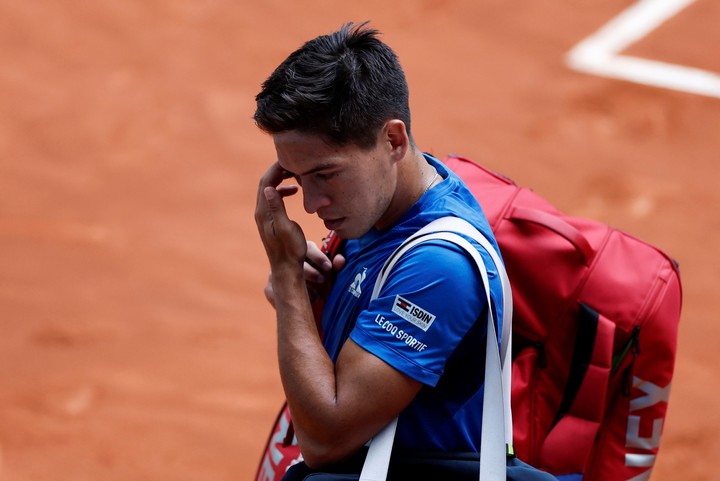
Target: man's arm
336,408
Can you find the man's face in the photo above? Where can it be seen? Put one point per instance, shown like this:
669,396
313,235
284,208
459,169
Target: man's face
349,188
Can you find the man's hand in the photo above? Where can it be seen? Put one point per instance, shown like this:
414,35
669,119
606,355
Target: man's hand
283,238
317,270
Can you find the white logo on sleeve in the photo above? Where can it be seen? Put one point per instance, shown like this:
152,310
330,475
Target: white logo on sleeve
412,313
355,287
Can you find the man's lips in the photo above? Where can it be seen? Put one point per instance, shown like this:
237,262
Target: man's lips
333,224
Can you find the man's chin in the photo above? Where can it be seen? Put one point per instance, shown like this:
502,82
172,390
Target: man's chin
345,234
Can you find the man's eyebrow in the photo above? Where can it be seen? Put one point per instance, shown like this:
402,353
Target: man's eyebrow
317,168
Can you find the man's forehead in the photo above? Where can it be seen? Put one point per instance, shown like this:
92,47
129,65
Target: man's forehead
302,153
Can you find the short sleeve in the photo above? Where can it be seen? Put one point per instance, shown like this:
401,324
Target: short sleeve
432,298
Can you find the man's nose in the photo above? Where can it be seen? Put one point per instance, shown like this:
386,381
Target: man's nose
314,200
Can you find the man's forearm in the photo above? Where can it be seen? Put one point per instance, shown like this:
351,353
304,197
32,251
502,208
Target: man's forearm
336,407
306,370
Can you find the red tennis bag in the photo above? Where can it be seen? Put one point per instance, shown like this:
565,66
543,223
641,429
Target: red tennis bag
596,314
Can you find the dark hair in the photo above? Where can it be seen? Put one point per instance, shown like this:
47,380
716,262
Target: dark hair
343,86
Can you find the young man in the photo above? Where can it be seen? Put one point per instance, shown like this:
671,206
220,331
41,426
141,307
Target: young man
337,110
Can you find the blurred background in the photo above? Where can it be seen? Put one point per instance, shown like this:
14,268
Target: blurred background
135,342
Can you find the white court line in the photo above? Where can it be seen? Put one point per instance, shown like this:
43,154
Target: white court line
598,54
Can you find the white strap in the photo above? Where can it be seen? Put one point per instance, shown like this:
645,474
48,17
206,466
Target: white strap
497,418
377,460
455,224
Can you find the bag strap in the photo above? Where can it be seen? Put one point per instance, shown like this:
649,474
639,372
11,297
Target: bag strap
497,416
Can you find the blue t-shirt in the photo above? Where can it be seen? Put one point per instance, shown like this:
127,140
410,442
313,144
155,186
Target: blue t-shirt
428,321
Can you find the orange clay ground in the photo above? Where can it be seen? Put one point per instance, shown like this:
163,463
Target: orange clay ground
135,342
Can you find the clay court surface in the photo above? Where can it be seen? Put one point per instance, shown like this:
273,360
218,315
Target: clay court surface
135,343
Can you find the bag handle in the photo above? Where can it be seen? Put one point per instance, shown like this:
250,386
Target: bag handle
497,416
557,225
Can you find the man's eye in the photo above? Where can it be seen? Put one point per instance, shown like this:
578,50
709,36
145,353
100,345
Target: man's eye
324,176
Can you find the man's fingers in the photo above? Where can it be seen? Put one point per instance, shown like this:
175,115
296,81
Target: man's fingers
338,262
317,263
283,238
317,257
274,176
312,275
287,190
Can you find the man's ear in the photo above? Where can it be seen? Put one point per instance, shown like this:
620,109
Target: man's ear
397,138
